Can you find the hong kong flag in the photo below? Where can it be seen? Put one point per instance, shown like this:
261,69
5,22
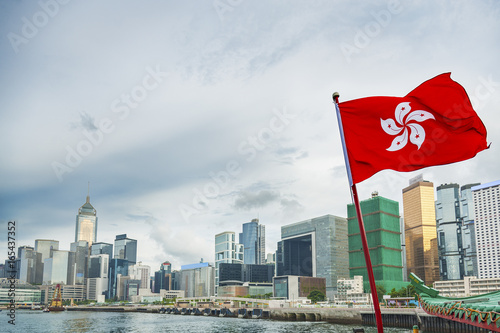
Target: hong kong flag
434,124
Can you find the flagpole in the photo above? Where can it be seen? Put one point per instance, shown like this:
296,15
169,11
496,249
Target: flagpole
364,241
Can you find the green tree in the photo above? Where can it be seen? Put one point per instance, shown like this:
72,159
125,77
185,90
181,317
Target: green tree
381,291
316,296
410,291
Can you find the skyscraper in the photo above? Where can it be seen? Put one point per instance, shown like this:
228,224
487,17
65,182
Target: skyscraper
487,213
126,248
226,251
141,273
45,247
197,280
455,231
420,230
102,248
56,269
240,273
163,278
117,269
383,230
468,217
253,239
97,282
316,247
86,223
80,265
31,267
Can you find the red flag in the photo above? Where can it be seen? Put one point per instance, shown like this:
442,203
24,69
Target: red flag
434,124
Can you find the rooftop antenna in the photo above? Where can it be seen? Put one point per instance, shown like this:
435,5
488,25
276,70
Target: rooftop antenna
88,192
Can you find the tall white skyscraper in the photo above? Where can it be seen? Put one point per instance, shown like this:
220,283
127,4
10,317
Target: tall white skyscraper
487,210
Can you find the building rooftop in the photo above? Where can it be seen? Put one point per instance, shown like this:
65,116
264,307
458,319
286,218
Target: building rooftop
483,186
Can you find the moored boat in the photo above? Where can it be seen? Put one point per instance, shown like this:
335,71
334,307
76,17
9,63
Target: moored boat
56,303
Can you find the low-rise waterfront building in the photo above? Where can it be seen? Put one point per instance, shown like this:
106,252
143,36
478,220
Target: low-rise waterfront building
68,292
238,289
146,296
297,288
22,293
469,286
350,292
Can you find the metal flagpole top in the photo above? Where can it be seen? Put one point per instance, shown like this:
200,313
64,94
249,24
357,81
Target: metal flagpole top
335,97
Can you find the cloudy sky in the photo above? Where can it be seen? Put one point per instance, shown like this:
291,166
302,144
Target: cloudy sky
190,118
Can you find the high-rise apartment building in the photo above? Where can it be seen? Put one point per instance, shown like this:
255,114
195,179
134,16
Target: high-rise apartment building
455,231
253,239
226,251
383,232
317,248
86,223
126,248
487,214
420,231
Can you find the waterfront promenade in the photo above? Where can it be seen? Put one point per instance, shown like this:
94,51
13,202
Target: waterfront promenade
392,317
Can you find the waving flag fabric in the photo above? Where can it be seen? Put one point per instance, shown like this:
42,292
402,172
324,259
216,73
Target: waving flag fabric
434,124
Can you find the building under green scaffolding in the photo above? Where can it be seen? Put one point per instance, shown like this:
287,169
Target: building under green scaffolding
382,225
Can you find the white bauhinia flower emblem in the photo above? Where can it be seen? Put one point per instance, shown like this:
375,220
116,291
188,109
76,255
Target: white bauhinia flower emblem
417,135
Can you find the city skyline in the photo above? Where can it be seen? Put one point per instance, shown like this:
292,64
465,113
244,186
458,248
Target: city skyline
189,120
137,256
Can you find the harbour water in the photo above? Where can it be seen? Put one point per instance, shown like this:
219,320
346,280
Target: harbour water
113,322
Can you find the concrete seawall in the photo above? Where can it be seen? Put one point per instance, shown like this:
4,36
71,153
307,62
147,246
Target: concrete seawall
398,317
331,315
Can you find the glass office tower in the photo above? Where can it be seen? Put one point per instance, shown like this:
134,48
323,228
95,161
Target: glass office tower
317,247
126,248
116,267
102,248
455,231
80,265
253,239
45,247
420,231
